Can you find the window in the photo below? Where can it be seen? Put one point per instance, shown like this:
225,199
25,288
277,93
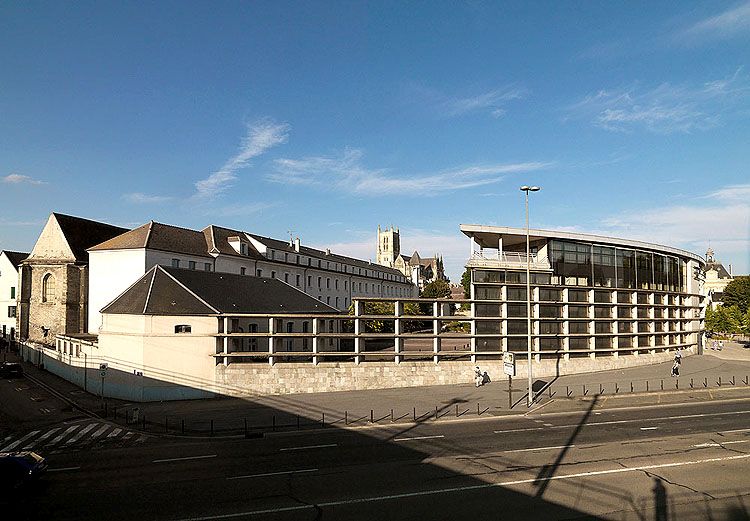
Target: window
328,283
273,274
242,270
602,296
577,328
252,342
346,284
207,266
552,295
624,313
328,300
516,293
337,302
286,278
11,311
514,310
578,311
309,280
320,282
548,328
12,292
336,283
603,327
259,273
191,265
578,295
48,287
624,327
175,263
182,328
549,311
297,281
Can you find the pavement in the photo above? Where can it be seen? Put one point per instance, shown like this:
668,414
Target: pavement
715,375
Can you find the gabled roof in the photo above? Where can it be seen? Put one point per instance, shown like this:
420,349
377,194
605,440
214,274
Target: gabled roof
217,238
82,234
15,257
158,236
719,267
173,291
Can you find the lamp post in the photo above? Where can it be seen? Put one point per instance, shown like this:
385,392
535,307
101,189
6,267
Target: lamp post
528,189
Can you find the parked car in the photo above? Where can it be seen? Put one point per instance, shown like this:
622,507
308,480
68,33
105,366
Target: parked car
20,468
11,369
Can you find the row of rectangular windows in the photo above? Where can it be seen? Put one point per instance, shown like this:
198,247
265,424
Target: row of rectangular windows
556,295
341,267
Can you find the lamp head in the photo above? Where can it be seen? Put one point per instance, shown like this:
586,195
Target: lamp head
524,188
534,189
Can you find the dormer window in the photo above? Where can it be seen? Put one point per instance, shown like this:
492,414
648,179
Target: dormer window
243,248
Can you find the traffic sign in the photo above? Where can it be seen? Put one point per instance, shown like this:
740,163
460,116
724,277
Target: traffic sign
509,364
103,370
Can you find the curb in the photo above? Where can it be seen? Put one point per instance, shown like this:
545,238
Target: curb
61,396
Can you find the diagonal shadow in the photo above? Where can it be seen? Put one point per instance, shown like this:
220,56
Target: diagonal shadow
547,471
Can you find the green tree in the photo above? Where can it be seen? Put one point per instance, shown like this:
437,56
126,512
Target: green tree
734,319
710,323
737,293
466,283
720,320
746,322
436,289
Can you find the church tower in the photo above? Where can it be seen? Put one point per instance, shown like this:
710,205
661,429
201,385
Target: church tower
389,246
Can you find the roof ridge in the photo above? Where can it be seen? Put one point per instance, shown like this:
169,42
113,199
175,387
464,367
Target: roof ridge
148,233
150,287
183,286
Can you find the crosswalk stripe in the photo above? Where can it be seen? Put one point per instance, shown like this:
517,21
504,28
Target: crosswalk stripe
100,431
141,438
128,435
18,442
61,436
80,433
41,438
114,433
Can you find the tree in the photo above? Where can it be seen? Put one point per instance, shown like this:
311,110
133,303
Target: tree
710,320
436,289
737,293
466,283
734,319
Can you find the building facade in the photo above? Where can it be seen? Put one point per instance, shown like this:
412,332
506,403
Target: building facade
9,262
330,278
421,270
591,296
54,278
717,278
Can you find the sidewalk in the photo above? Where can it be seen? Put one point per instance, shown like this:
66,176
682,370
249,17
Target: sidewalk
234,415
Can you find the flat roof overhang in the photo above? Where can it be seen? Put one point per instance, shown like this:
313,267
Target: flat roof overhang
488,236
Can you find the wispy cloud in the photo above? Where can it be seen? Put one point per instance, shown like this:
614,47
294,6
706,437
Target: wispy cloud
492,102
260,137
140,198
235,210
18,179
740,193
666,108
721,26
347,173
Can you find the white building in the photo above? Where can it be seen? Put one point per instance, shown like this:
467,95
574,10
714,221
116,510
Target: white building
330,278
9,261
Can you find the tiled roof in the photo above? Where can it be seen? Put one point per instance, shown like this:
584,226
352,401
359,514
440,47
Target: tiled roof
218,238
158,236
82,234
173,291
719,267
15,257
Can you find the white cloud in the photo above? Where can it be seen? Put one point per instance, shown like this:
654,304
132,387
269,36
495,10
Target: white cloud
260,137
723,25
492,102
20,179
732,193
666,108
348,174
140,198
234,210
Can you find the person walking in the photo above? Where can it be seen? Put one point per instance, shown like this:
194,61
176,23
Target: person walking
478,377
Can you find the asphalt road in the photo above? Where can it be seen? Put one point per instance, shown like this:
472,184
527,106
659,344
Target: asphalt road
686,461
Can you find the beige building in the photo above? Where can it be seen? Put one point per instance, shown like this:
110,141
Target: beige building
717,278
54,280
421,270
9,261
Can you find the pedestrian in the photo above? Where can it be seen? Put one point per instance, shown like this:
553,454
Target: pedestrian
678,356
675,368
478,377
721,345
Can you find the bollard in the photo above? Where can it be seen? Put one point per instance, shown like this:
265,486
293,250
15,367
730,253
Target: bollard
567,391
478,413
550,391
677,384
746,379
414,411
705,382
456,410
732,380
631,387
646,385
212,427
346,417
617,388
691,383
436,412
584,390
391,415
662,384
323,420
719,381
372,416
601,389
183,426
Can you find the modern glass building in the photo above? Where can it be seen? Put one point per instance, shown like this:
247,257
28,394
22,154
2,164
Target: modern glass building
591,295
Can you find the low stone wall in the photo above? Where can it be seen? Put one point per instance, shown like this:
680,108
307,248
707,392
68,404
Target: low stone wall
283,378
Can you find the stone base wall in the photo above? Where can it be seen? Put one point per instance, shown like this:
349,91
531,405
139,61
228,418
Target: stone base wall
284,378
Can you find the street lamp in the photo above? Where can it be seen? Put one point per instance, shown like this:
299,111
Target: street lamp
528,189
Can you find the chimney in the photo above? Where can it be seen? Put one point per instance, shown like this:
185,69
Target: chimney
328,251
296,244
730,270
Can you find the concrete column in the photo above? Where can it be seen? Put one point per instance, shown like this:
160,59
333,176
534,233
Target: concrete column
436,307
473,323
270,341
315,358
565,329
357,331
226,341
398,342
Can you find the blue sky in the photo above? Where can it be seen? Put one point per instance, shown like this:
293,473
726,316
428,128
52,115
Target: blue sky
328,118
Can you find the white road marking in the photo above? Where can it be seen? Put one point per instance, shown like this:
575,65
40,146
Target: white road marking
420,438
735,430
114,433
61,436
141,438
18,442
184,459
128,435
433,492
701,445
310,447
81,433
63,469
100,431
642,420
649,428
274,474
539,448
42,438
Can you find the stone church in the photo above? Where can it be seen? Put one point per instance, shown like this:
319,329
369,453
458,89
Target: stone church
422,270
53,295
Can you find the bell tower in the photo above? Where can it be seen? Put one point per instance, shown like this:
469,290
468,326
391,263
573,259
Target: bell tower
389,246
